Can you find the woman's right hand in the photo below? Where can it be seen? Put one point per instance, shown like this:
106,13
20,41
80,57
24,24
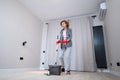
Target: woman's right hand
58,41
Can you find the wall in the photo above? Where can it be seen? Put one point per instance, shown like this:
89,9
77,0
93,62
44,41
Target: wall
17,24
96,21
112,22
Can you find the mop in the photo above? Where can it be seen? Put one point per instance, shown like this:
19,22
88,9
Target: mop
55,69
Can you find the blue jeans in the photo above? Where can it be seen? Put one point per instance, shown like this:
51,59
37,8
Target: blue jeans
66,59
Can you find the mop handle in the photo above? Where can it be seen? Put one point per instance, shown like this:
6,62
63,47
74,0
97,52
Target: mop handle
57,51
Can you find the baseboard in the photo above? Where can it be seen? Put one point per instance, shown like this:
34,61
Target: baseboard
109,71
103,70
42,68
19,69
115,73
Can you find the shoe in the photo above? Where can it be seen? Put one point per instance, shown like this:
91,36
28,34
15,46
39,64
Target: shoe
63,70
68,72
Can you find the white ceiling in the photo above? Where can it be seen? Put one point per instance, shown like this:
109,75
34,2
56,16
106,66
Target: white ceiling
53,9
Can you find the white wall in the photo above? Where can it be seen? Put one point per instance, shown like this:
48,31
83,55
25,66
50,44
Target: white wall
112,27
96,21
17,24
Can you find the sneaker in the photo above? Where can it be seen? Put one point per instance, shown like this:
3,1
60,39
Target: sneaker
63,70
68,72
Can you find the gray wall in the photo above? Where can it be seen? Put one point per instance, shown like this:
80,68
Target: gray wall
17,24
112,27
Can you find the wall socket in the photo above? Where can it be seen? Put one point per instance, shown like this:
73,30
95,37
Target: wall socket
43,51
21,58
110,64
118,63
43,63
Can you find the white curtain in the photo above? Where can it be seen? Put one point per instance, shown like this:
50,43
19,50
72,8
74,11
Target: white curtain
82,56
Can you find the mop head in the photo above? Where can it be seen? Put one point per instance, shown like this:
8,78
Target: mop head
55,69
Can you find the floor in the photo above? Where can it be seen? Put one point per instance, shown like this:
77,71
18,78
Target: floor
40,75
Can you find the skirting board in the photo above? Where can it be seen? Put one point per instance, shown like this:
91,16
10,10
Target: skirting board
19,69
109,71
103,70
115,73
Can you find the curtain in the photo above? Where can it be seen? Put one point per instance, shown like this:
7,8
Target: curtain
82,56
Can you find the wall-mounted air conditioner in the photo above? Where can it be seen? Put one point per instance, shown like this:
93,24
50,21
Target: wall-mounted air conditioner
102,11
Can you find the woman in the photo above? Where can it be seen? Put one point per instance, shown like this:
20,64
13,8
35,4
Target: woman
65,45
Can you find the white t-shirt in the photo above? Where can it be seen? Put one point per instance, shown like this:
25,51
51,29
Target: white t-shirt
64,34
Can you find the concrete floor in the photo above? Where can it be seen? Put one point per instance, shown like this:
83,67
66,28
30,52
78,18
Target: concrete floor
40,75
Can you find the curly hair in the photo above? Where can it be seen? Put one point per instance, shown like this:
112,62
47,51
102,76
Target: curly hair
66,22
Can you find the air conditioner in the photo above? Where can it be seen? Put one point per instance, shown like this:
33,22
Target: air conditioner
102,11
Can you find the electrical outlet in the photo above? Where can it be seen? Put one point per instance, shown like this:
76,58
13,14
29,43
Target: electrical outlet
110,64
43,51
24,43
118,63
21,58
42,63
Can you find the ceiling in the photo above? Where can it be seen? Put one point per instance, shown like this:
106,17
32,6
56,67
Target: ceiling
54,9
